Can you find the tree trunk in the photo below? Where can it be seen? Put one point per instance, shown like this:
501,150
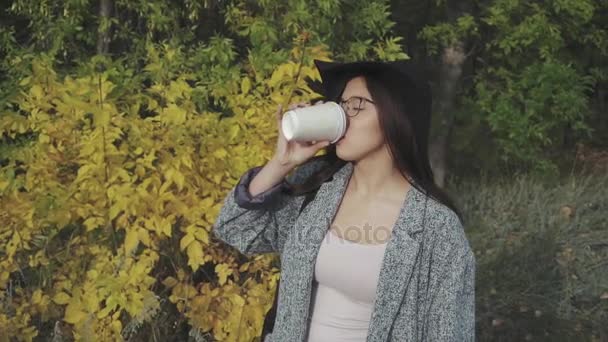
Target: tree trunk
452,60
103,32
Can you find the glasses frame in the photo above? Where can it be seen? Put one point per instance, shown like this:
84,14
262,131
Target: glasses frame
343,104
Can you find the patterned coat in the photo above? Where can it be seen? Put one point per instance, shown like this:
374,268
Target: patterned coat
426,287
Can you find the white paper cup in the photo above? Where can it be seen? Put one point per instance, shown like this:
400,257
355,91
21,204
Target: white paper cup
325,121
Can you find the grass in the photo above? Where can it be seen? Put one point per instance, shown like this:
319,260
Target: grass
542,256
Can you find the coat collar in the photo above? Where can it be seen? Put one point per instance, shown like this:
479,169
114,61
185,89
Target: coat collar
399,257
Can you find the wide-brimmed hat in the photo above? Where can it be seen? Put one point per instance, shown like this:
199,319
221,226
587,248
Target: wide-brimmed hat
416,91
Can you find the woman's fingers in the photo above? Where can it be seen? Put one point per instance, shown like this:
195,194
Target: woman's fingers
279,111
319,145
279,116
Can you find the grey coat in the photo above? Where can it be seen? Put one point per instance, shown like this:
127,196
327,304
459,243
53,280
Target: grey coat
426,288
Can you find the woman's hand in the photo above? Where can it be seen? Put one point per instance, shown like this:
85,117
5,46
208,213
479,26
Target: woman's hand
292,152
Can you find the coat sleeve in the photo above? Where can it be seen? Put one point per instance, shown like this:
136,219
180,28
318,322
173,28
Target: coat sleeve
260,224
451,315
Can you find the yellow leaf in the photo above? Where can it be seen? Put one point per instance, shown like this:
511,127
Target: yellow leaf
233,132
245,85
178,178
174,115
93,222
104,312
116,209
101,117
144,236
244,267
170,282
4,276
25,81
36,296
169,173
165,226
222,271
187,161
152,104
3,184
278,75
185,241
43,138
61,298
73,314
277,97
131,240
36,91
220,153
237,300
116,326
201,235
195,255
91,301
207,202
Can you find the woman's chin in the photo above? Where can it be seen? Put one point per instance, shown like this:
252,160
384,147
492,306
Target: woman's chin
342,152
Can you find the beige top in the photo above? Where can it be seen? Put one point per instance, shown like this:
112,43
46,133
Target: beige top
344,289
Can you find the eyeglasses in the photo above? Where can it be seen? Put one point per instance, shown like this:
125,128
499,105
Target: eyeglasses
354,105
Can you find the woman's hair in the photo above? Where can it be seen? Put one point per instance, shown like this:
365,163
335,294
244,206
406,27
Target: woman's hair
396,108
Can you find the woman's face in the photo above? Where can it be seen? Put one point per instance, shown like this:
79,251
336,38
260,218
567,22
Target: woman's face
363,134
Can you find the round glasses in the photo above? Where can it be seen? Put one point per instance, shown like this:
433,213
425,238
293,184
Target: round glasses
354,105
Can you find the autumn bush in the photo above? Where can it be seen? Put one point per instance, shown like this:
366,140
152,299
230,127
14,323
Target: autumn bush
106,212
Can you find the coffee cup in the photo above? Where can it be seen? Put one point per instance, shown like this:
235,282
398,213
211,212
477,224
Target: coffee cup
325,121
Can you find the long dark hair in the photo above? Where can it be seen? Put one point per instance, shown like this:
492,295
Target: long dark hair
409,149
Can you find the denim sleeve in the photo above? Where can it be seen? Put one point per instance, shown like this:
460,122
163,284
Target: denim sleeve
266,199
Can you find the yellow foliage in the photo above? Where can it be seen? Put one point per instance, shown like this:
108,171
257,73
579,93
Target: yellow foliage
102,194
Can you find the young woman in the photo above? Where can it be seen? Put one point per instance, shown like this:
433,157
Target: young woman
380,253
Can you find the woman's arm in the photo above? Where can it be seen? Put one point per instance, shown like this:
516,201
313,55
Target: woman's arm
451,315
261,187
260,223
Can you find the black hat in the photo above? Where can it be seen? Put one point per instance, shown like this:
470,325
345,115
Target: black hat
416,90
